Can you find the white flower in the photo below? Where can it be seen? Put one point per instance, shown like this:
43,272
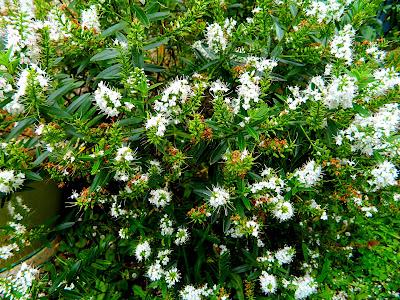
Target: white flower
396,197
331,10
309,174
285,255
107,100
268,283
328,70
229,25
253,227
219,87
19,228
176,93
340,92
384,174
117,210
369,133
143,251
215,38
219,197
160,122
248,91
283,211
90,19
378,55
172,276
163,256
121,176
10,180
125,154
262,64
24,278
31,76
182,236
305,286
123,233
166,226
58,24
7,251
342,42
385,80
27,7
160,197
368,210
189,292
155,271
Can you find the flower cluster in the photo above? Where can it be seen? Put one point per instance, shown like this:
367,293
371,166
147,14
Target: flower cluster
374,133
331,10
342,43
267,144
217,36
18,286
219,197
10,180
107,100
339,92
90,19
160,198
310,174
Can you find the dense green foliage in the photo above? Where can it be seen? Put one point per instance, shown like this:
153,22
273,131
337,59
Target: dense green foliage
208,149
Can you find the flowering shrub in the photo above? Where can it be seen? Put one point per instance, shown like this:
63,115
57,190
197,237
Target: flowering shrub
211,149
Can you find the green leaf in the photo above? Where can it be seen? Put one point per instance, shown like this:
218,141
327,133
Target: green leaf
278,28
218,152
5,102
94,120
57,94
130,121
290,62
276,51
64,226
156,43
241,141
326,268
204,193
84,63
293,9
139,292
112,72
237,284
246,203
158,16
20,127
55,111
362,111
78,102
96,167
106,54
378,157
252,132
33,176
260,113
101,264
141,15
99,180
114,28
305,251
153,68
40,158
